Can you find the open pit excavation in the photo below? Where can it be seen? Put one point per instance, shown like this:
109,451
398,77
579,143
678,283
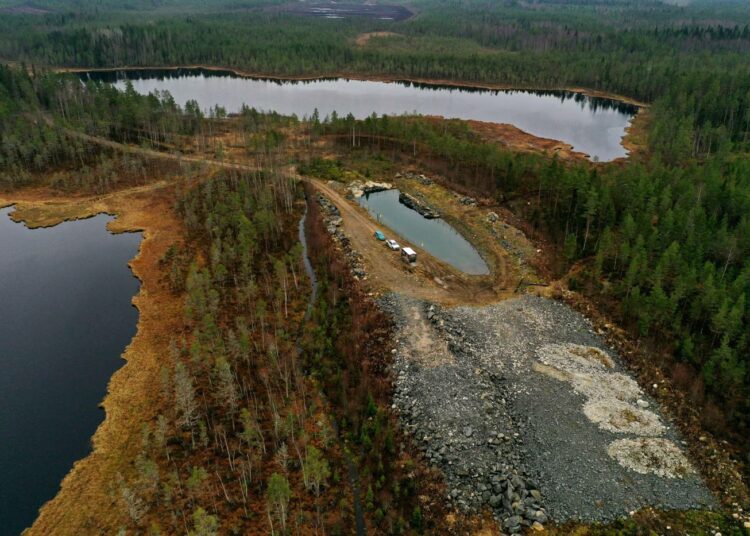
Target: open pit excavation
525,410
528,413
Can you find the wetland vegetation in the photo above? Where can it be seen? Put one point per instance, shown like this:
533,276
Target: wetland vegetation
253,420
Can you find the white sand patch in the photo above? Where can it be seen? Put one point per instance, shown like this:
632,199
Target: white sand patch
651,455
620,417
615,402
588,369
606,386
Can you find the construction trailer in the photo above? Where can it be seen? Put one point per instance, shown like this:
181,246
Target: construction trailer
408,255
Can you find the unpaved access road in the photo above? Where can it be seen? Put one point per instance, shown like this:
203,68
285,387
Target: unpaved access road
432,279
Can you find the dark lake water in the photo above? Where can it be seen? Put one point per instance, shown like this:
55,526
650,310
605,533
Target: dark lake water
433,235
66,318
594,126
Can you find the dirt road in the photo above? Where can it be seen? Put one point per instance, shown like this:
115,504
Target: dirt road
431,279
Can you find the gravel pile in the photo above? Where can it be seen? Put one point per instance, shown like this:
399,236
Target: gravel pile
460,416
533,416
332,220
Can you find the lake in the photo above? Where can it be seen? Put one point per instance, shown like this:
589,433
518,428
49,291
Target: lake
436,236
67,317
592,125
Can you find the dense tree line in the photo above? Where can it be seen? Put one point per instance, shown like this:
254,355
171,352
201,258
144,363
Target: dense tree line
34,142
243,444
27,144
694,68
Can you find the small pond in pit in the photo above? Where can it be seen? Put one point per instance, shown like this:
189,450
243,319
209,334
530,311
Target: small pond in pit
591,125
66,318
434,236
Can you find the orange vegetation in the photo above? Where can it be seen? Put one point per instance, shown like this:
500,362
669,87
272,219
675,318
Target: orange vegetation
86,503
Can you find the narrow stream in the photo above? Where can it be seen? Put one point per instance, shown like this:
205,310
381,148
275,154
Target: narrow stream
308,265
353,474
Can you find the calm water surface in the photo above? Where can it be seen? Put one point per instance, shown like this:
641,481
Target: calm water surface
66,318
594,126
436,236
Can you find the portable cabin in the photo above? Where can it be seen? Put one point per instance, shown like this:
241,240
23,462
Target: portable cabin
408,255
379,235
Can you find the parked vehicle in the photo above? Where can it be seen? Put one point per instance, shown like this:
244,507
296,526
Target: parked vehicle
408,255
392,244
379,235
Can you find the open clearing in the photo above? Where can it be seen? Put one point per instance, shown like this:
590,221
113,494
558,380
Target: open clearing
509,404
431,279
514,398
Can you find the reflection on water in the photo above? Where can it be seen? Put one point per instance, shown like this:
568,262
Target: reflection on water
66,318
435,236
591,125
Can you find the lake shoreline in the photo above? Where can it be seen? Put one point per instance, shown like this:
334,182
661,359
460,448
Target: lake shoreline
364,78
84,496
515,131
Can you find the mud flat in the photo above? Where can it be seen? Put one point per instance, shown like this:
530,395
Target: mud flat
528,413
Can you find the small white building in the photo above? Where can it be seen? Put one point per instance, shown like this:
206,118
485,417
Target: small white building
408,255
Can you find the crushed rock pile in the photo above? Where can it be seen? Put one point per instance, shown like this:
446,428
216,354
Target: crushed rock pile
332,221
357,188
531,416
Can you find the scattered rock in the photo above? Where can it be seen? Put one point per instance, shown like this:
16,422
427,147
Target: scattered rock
358,189
414,176
417,205
516,441
332,222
